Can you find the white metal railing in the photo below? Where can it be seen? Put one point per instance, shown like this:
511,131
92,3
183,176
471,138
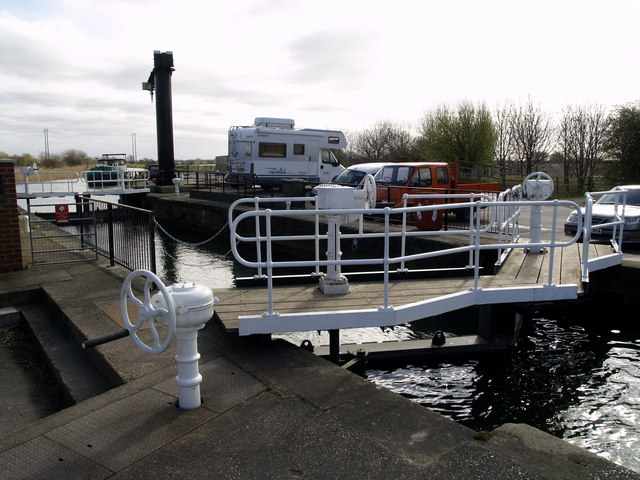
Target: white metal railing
617,224
117,179
35,183
505,211
508,220
42,184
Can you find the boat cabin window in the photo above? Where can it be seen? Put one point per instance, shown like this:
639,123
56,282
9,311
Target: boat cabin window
272,150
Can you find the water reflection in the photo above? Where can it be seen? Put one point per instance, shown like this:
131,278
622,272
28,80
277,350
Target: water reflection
177,261
581,383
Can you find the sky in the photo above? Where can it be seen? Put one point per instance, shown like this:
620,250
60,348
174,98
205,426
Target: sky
75,67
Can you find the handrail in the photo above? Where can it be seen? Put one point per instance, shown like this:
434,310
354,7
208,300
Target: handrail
119,179
45,181
587,227
504,211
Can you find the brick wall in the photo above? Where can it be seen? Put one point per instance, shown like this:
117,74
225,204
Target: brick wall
10,248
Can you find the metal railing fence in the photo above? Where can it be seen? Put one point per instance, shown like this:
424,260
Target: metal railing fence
504,213
616,224
68,240
123,234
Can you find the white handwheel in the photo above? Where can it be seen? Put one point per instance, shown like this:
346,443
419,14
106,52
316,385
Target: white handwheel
538,186
369,184
148,313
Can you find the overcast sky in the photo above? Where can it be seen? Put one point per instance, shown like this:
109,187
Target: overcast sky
75,67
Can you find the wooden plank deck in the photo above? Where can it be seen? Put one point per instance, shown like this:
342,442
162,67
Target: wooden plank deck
520,269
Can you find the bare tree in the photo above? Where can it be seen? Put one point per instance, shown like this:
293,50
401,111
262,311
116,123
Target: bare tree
504,140
565,140
581,136
532,136
384,142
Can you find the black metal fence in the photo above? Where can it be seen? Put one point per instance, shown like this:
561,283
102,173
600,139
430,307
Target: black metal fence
123,234
209,180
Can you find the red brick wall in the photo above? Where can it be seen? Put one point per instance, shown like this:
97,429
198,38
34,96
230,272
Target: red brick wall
10,248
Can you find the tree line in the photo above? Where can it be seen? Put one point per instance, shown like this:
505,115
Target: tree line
68,158
586,141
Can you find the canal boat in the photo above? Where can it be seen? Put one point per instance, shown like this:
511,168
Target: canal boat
107,172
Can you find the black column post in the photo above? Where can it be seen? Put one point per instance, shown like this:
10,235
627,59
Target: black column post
160,81
334,345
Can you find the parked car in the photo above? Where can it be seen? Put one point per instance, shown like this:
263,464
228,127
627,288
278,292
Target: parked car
153,172
604,211
354,175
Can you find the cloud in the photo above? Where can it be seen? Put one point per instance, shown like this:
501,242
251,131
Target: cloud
340,58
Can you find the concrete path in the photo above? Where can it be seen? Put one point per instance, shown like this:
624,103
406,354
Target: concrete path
269,411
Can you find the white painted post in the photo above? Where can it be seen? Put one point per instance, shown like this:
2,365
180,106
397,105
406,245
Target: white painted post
176,184
189,378
334,272
537,186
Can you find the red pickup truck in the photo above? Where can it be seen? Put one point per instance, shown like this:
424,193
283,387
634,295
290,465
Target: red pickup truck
394,180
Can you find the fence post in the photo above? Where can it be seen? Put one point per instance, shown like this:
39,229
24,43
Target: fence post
110,235
152,244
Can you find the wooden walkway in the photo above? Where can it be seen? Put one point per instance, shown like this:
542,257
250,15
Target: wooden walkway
520,269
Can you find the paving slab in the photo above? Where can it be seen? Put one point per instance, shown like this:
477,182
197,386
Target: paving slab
272,437
128,430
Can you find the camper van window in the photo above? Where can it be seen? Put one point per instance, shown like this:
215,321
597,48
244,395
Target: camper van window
328,157
298,148
273,150
248,151
334,140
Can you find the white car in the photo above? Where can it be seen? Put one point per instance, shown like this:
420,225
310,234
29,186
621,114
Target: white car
604,211
354,175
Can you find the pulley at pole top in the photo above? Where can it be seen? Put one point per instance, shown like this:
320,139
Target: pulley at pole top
161,61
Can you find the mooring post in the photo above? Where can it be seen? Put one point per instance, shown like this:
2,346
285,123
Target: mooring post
334,345
487,323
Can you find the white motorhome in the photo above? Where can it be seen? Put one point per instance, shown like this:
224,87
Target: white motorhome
272,150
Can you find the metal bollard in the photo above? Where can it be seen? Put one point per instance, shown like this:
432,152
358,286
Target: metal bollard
184,308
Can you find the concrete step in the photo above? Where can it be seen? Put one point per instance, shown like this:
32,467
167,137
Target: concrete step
67,359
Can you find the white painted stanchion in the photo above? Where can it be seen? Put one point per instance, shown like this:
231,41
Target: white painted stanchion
194,307
331,197
537,186
177,181
184,308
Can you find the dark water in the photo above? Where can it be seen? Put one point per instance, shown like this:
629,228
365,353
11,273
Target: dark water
572,377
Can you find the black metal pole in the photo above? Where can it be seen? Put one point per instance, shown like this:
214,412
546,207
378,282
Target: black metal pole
152,244
334,345
110,235
160,82
163,66
107,338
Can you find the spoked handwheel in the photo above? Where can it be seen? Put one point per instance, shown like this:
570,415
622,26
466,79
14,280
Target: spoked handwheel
537,186
369,185
148,313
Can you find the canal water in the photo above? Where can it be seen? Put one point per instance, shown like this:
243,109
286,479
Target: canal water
571,375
